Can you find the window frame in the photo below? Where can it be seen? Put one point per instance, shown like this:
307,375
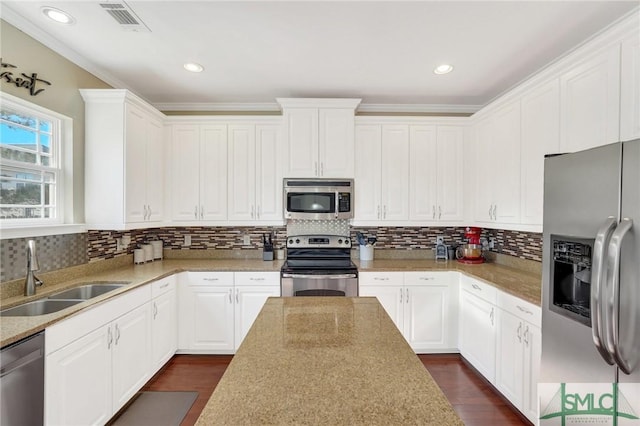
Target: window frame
62,138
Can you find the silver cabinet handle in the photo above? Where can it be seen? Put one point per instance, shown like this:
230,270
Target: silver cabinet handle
210,279
201,212
476,287
439,212
315,167
230,296
597,287
491,316
519,332
384,212
252,212
109,338
490,207
237,296
525,310
258,210
155,310
165,285
401,294
195,213
381,278
526,335
117,333
256,279
426,278
322,168
495,214
613,305
407,297
378,211
433,212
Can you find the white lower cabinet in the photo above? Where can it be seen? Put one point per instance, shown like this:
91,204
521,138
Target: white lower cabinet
97,360
217,309
164,322
423,306
478,325
518,353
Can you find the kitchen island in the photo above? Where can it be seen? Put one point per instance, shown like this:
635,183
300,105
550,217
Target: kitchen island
330,360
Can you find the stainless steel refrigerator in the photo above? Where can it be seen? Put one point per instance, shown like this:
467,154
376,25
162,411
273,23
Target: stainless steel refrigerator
591,266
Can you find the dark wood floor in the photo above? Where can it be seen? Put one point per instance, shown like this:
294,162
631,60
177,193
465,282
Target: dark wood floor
472,397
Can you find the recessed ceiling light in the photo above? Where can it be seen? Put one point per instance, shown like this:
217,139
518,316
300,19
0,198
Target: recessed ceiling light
443,69
58,15
193,67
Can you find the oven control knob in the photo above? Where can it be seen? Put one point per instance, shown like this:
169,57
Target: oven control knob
340,241
290,241
297,241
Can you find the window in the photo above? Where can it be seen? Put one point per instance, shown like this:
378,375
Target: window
31,169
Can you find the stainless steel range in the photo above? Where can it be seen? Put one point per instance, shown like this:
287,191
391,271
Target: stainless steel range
319,265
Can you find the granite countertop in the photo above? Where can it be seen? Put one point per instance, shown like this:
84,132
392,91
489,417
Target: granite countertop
522,284
326,361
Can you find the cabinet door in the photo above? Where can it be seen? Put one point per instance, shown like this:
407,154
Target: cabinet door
540,113
484,136
477,334
78,381
532,355
164,329
395,172
426,317
505,165
249,302
391,298
630,89
185,172
155,171
510,357
131,354
367,174
242,173
423,173
210,318
135,164
302,142
336,142
213,173
449,180
590,102
269,174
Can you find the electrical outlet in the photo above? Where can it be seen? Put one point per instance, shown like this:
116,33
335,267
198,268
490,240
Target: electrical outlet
246,240
492,243
187,240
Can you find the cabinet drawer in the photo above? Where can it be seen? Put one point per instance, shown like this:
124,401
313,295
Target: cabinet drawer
427,277
479,288
381,278
520,308
210,278
257,278
162,286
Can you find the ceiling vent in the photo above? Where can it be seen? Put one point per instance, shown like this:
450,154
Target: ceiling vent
124,16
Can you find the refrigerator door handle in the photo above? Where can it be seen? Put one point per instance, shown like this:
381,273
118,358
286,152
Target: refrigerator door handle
597,287
613,299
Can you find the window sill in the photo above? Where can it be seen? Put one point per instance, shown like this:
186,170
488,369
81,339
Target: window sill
41,231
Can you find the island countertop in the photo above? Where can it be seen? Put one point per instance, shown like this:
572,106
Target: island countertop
335,360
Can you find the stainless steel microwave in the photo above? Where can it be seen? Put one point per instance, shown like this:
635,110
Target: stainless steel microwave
318,199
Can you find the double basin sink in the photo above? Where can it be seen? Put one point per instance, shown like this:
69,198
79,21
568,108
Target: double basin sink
62,300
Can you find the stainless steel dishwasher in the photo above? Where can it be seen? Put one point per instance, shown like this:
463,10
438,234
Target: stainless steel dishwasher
22,382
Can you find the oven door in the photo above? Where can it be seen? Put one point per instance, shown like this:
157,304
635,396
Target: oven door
303,284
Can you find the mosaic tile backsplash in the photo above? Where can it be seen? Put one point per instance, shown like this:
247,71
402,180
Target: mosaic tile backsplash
54,252
61,251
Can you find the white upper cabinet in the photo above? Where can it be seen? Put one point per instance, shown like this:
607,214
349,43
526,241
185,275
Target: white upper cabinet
382,173
590,101
540,114
630,89
436,180
497,195
255,178
198,172
124,157
319,136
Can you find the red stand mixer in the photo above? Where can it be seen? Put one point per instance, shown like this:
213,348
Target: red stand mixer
472,251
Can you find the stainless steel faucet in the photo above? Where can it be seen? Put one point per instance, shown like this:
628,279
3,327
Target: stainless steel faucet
31,281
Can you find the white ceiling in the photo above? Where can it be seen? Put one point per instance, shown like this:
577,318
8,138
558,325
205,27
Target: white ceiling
383,52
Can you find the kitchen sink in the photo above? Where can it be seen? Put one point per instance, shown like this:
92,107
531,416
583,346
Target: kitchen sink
88,291
38,307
